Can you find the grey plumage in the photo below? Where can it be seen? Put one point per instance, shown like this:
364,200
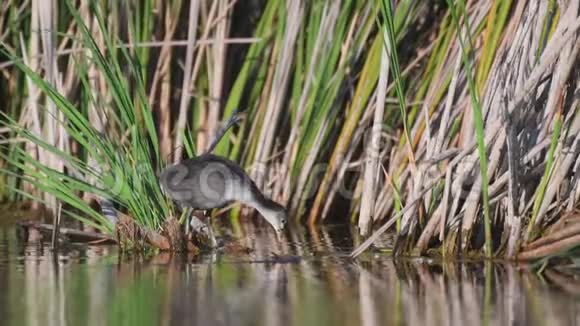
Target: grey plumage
209,181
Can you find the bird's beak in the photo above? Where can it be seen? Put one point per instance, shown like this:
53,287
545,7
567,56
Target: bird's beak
280,234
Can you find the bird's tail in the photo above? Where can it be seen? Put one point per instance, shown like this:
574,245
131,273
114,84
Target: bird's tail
234,118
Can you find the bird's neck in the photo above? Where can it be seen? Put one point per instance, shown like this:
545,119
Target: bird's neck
264,206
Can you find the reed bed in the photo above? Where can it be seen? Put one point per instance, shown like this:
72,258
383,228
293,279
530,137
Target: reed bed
454,124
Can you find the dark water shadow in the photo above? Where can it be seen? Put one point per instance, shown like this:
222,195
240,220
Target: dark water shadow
302,279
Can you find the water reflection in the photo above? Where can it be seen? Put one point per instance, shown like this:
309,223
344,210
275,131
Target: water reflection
303,280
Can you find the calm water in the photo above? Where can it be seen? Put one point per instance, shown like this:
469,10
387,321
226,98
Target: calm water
303,279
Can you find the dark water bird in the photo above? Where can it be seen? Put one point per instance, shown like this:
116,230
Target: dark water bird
209,181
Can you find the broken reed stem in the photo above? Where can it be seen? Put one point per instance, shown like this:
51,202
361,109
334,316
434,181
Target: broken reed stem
550,249
567,232
371,171
546,178
371,239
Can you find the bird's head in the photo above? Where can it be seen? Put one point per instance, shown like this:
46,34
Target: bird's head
276,215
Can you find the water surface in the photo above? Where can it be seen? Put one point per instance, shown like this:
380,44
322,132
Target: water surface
302,279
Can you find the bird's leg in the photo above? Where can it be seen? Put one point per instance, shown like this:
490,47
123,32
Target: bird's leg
197,225
188,213
212,240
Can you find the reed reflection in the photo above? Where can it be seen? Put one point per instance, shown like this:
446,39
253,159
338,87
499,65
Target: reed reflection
304,279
